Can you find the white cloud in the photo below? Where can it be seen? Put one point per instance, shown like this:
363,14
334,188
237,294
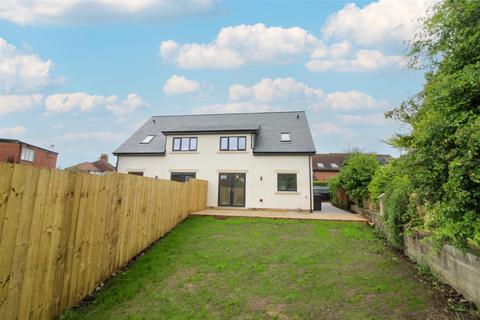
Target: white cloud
362,60
27,12
378,22
65,102
180,85
350,100
127,106
376,119
12,132
91,136
20,72
275,90
288,93
19,103
240,45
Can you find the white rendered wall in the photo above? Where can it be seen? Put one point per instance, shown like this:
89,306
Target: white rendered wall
261,171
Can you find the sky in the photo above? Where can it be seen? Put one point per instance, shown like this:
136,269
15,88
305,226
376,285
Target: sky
80,76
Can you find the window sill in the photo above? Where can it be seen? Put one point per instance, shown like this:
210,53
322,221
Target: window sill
287,192
184,152
233,151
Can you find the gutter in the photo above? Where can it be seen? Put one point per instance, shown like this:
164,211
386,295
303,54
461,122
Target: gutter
310,178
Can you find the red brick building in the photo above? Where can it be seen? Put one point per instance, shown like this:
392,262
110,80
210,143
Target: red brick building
16,151
327,165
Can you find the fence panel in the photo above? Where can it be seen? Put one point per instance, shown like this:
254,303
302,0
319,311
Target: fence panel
62,233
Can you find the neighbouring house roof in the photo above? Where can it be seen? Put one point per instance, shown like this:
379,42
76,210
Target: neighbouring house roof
267,127
15,141
334,161
99,165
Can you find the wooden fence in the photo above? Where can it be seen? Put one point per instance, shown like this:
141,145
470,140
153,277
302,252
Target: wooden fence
62,233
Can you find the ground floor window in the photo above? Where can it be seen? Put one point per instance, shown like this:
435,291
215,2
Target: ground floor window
182,176
136,173
287,182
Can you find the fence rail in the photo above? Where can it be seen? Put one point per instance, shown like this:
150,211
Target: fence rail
62,232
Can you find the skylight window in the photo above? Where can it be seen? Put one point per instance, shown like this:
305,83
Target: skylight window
334,165
320,165
285,137
147,139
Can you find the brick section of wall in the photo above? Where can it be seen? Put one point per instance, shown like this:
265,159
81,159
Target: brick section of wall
324,175
10,152
45,159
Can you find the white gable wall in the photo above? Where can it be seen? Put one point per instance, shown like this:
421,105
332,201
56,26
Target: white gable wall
208,162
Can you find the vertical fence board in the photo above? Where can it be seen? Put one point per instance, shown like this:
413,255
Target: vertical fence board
62,233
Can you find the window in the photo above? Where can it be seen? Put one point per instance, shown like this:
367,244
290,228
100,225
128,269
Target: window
285,137
334,165
27,154
185,144
147,139
320,165
287,182
136,173
182,176
233,143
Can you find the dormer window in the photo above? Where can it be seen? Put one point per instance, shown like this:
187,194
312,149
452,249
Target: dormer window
285,137
320,165
147,139
334,165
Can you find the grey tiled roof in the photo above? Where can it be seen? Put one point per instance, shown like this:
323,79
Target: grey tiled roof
267,125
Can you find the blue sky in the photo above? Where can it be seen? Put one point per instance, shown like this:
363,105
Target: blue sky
83,76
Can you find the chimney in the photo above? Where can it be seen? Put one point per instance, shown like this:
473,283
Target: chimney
104,157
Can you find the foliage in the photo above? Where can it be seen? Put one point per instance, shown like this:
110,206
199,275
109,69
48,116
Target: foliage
356,174
383,175
443,149
320,183
396,202
337,193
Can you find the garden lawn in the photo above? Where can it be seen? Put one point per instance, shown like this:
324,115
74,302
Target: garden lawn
247,268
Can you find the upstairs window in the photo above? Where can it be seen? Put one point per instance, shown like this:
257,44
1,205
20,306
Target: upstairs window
233,143
287,182
334,165
285,137
320,165
185,144
147,139
27,154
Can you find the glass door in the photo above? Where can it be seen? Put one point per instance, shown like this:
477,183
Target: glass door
231,189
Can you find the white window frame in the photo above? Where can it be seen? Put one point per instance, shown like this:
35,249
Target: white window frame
28,154
285,137
148,139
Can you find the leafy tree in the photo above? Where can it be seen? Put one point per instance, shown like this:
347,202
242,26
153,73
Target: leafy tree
356,174
444,144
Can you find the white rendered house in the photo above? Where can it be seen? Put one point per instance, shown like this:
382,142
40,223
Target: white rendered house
251,160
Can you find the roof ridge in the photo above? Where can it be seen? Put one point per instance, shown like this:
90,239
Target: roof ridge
226,113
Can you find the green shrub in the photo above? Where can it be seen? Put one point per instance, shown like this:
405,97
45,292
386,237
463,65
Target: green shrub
356,174
338,196
396,204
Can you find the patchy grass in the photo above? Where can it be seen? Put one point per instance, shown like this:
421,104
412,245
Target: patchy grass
262,268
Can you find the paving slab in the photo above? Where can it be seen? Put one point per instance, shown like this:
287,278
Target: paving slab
328,213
